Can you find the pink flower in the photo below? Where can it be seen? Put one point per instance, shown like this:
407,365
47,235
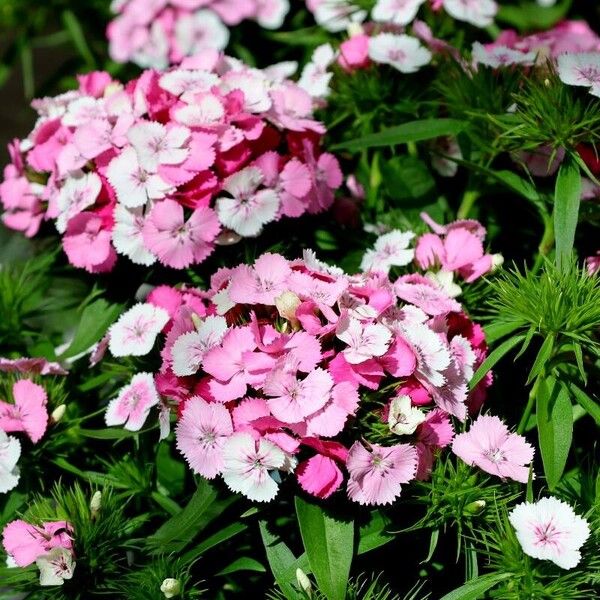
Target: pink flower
132,405
201,434
354,53
376,474
330,420
21,201
249,210
549,529
135,331
319,476
176,242
261,283
30,365
434,433
247,464
292,399
87,243
593,264
25,543
155,144
28,413
363,341
422,292
78,193
489,445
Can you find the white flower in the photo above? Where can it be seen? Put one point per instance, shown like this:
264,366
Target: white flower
480,13
315,76
78,192
189,348
247,464
399,12
254,87
83,110
133,184
56,566
581,69
364,342
402,52
135,332
127,235
404,418
549,529
155,144
181,82
337,15
10,452
154,54
271,13
249,209
501,56
201,30
206,110
390,250
433,356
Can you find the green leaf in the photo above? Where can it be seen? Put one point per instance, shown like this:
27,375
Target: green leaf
591,406
374,533
567,198
329,544
413,131
542,358
244,563
407,178
94,323
532,17
554,414
75,30
283,563
182,528
496,331
517,184
495,357
474,589
214,540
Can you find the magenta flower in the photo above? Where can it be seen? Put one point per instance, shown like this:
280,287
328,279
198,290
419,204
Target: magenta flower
489,445
319,476
201,434
28,413
179,243
376,475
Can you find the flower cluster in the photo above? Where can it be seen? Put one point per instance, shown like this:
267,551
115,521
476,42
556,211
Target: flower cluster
285,365
49,546
161,33
169,165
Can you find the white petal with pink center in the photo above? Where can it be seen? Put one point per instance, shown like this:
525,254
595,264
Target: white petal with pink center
78,193
127,235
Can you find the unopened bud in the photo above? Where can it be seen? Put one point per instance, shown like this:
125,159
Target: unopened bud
196,320
304,582
497,261
287,304
170,587
354,28
96,503
58,413
474,508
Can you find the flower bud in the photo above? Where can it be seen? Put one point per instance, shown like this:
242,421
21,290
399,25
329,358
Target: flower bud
96,503
474,508
170,587
196,320
286,304
304,582
58,413
497,261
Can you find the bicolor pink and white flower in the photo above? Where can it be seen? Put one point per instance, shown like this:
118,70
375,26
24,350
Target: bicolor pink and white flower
401,51
550,529
581,69
28,413
132,405
490,446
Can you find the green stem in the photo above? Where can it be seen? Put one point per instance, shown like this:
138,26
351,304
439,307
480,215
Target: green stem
412,149
546,243
469,199
529,407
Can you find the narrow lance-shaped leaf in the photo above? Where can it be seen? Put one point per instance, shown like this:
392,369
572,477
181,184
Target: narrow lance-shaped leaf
476,588
495,357
567,197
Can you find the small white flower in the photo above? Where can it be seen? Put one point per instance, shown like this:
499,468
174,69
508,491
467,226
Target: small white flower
56,566
337,15
189,348
501,56
404,418
480,13
582,69
364,342
315,76
390,250
402,52
399,12
135,332
10,452
132,405
200,30
549,529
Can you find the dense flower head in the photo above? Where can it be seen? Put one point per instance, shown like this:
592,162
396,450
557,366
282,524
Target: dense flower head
268,368
160,33
169,165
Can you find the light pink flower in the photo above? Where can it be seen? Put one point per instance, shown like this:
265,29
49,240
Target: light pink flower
78,193
132,405
28,413
292,399
31,365
434,433
404,53
249,209
376,474
390,250
156,144
135,331
549,529
201,434
501,56
127,235
176,242
200,30
489,445
363,341
247,464
10,452
24,543
330,420
262,283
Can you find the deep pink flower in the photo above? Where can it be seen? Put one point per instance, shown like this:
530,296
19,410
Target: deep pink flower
28,413
25,542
